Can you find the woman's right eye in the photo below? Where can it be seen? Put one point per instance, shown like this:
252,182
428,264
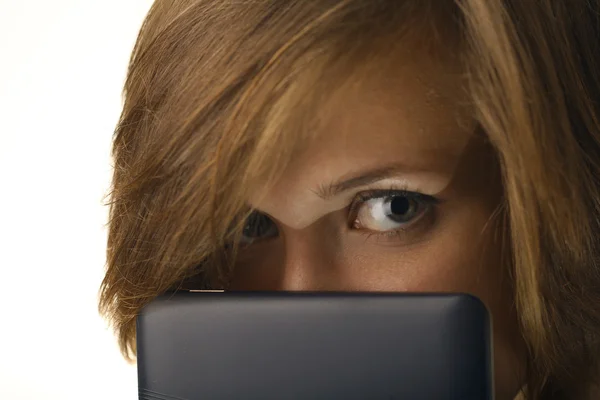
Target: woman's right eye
258,227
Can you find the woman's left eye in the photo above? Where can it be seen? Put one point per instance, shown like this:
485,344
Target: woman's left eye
258,227
382,211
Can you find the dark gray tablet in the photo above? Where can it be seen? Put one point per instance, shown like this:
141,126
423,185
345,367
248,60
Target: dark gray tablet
197,345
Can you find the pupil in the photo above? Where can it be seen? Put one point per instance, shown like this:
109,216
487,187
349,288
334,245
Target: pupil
399,205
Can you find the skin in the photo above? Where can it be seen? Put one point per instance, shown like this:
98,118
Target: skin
410,118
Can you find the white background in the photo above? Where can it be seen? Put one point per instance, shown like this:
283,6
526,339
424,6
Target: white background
62,67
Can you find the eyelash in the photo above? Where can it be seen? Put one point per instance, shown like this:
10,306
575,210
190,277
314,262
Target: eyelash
362,197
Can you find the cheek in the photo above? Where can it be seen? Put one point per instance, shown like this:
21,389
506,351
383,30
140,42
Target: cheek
458,254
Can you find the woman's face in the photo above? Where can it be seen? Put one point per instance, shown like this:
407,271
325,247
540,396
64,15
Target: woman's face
398,193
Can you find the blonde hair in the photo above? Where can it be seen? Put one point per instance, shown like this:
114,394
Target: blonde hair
220,94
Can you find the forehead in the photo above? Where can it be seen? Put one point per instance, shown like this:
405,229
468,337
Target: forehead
411,114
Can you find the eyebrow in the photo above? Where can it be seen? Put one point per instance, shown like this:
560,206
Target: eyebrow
326,192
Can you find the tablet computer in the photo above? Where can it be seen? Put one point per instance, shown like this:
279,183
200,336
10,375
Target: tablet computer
282,345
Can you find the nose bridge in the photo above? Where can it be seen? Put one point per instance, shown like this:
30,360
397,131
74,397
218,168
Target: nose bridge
307,262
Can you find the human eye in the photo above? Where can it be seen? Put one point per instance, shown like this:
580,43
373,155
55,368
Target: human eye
258,227
389,212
